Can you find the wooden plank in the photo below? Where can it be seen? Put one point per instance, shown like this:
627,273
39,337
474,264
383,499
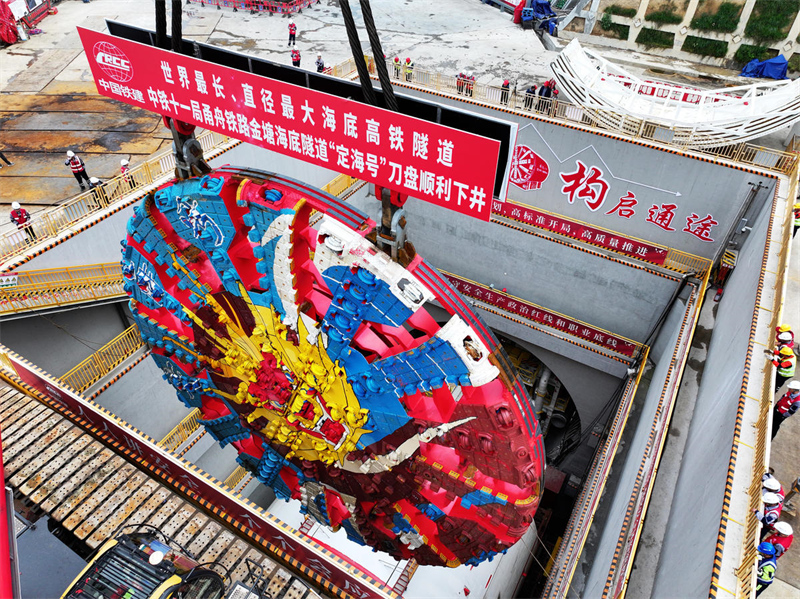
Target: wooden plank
79,451
47,453
17,402
63,483
297,590
241,571
204,538
280,580
72,498
218,547
130,491
32,435
10,396
88,505
130,514
192,528
15,420
233,554
34,450
179,520
166,511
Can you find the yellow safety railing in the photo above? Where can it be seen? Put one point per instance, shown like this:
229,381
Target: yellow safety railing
55,221
38,289
745,573
236,477
563,110
104,360
340,184
182,431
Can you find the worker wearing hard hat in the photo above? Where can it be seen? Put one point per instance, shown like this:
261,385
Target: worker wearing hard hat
786,363
771,512
766,567
796,213
770,484
786,406
781,537
398,67
409,69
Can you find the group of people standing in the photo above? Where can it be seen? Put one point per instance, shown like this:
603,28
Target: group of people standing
777,535
295,53
406,68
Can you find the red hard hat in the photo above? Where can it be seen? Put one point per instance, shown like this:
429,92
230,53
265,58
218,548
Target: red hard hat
408,60
505,82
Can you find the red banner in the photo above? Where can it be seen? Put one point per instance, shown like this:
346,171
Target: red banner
343,577
544,317
424,160
580,232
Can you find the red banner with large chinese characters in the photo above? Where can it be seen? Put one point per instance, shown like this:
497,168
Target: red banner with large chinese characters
581,232
342,578
553,320
447,167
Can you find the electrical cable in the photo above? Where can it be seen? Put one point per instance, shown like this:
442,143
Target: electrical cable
177,32
161,24
358,53
380,63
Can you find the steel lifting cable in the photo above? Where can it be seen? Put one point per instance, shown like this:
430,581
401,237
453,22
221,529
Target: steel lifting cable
377,52
161,24
358,53
177,30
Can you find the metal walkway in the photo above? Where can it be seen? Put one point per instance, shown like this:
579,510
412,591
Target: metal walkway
92,492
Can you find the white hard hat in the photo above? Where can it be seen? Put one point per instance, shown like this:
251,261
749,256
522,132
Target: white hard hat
772,484
785,337
783,528
319,55
94,180
70,153
15,205
771,499
794,385
124,162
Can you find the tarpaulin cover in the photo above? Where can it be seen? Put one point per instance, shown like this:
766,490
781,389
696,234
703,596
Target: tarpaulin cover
774,68
8,25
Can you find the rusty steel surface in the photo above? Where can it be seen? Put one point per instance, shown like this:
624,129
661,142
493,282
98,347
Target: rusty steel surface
94,492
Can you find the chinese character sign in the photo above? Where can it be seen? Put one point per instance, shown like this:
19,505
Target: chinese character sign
415,157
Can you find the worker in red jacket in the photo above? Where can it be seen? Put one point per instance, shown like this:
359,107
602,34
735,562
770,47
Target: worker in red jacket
786,406
786,363
22,218
78,169
292,33
781,537
296,57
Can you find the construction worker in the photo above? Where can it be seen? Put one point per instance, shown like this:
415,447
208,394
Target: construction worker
409,69
781,538
786,406
770,513
320,63
292,33
504,92
22,218
796,211
770,484
460,83
398,67
786,362
295,57
784,328
78,168
767,565
470,84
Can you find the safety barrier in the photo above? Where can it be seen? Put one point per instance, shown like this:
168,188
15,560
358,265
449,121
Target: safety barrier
255,6
562,110
745,572
40,289
339,184
182,431
236,477
55,221
104,360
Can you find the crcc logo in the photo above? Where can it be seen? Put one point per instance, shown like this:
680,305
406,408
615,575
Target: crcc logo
113,62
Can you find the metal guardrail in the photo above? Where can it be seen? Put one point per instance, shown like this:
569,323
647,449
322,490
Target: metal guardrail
236,477
562,110
62,216
182,431
280,7
745,573
38,289
104,360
